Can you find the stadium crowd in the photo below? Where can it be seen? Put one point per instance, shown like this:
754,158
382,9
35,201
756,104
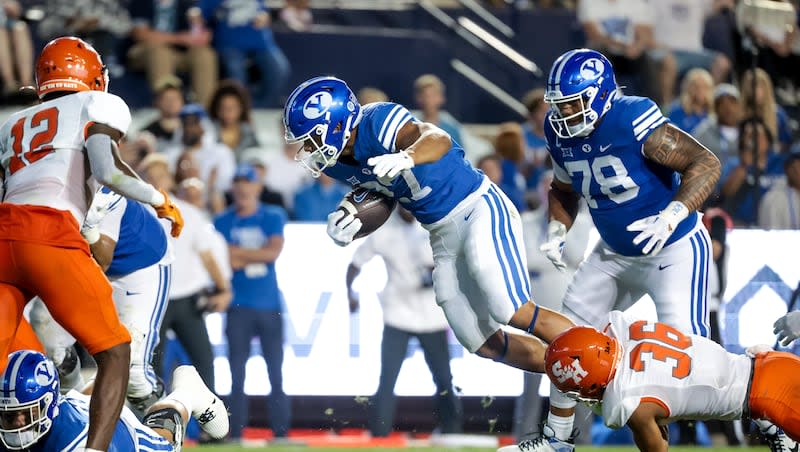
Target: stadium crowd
209,66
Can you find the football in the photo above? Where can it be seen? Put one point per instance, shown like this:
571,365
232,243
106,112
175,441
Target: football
372,208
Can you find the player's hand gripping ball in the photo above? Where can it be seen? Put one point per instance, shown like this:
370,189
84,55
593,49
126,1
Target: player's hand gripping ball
370,208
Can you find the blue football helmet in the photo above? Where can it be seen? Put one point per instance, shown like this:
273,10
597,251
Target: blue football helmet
584,79
28,399
321,113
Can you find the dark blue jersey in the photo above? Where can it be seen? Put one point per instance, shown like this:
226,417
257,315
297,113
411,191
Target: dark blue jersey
429,191
608,168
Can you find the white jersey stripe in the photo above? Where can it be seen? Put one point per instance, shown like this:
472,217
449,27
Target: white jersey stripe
391,132
388,120
647,122
393,138
652,127
644,115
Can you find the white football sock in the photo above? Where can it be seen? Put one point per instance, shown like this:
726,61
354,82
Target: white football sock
562,426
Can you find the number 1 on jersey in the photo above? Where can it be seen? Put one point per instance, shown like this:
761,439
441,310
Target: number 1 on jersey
45,125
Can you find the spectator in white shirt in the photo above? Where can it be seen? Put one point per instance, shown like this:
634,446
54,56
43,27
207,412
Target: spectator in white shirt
409,310
780,208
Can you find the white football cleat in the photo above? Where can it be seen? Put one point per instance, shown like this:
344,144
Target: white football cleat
207,408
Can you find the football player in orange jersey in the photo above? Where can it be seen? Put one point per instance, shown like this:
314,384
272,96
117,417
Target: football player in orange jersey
648,374
48,152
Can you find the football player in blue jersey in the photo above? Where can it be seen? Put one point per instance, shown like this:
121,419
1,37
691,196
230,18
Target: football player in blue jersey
36,418
480,277
643,180
131,246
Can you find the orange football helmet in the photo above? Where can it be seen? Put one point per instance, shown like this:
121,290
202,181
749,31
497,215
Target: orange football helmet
582,360
69,64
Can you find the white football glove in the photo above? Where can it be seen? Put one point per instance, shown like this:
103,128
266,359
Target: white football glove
97,211
757,349
657,229
554,247
788,328
388,166
342,228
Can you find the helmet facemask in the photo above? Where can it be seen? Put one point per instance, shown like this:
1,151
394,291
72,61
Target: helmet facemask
36,423
578,124
315,154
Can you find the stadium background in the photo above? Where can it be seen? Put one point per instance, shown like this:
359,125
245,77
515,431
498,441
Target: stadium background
488,55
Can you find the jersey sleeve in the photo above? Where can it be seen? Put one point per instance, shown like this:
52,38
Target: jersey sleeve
560,173
645,117
388,119
108,109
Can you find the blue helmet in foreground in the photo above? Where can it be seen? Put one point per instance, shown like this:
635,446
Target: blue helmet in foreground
321,113
28,399
584,79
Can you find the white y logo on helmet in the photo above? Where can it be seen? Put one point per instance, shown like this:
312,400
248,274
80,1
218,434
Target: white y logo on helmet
573,370
44,373
592,69
317,105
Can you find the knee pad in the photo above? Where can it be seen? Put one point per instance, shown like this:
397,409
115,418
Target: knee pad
140,404
167,419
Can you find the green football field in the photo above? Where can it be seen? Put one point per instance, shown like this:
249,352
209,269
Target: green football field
456,449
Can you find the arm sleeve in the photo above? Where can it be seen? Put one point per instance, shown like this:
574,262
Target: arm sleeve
104,169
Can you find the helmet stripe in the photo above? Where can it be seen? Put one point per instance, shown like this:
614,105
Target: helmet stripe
9,385
560,69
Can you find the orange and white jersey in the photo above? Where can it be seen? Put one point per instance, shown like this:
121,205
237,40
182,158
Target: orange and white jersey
690,376
42,149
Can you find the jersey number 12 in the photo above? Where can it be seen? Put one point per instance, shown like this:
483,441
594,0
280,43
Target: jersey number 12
44,124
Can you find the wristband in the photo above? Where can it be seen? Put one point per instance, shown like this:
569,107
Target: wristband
92,235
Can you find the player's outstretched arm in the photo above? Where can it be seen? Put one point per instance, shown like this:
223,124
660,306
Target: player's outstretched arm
647,434
699,167
562,202
111,171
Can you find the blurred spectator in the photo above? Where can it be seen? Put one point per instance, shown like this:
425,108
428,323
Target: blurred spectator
695,101
193,191
720,131
286,176
778,55
548,285
369,94
492,167
623,31
195,262
763,106
409,311
429,94
270,197
780,208
168,100
509,144
231,113
102,23
738,180
297,15
535,143
242,33
679,31
214,161
16,50
170,36
134,148
254,233
317,199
